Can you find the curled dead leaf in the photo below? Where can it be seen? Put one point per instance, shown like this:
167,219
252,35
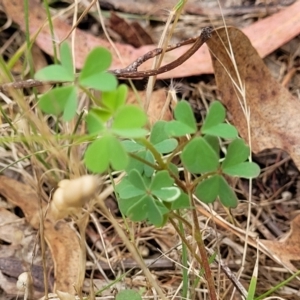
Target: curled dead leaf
61,238
286,249
246,84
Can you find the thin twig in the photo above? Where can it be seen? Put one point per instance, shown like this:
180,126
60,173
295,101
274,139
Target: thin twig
204,36
131,70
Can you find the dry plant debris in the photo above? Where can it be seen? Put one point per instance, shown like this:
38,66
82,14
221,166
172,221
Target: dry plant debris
60,237
266,35
246,85
287,248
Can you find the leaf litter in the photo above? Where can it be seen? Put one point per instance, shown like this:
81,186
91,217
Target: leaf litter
63,239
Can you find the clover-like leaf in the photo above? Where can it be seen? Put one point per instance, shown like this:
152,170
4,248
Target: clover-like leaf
234,163
166,146
199,157
132,146
185,122
66,59
216,114
168,194
158,133
161,180
207,190
93,73
181,202
138,208
94,121
125,190
103,152
128,121
213,123
243,170
54,73
226,194
58,100
216,186
155,213
137,180
237,152
162,187
115,99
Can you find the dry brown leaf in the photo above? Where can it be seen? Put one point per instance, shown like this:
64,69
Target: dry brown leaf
274,112
11,227
131,33
266,35
61,238
287,249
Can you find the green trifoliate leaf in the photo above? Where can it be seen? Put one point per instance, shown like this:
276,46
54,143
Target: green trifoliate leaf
167,194
216,186
128,121
132,146
66,59
103,152
226,194
137,180
93,73
94,121
243,170
58,100
54,73
213,123
156,212
208,190
115,99
160,180
185,122
166,146
199,157
158,133
138,208
237,152
181,202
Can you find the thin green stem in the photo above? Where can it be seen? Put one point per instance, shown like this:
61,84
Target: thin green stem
155,153
74,131
280,285
146,162
184,261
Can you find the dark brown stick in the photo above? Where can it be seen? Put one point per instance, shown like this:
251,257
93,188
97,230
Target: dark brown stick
204,36
130,71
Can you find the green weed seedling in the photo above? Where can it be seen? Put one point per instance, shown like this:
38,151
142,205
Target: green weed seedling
155,188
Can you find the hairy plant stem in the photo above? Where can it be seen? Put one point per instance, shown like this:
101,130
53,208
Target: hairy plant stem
185,241
205,263
203,260
162,165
